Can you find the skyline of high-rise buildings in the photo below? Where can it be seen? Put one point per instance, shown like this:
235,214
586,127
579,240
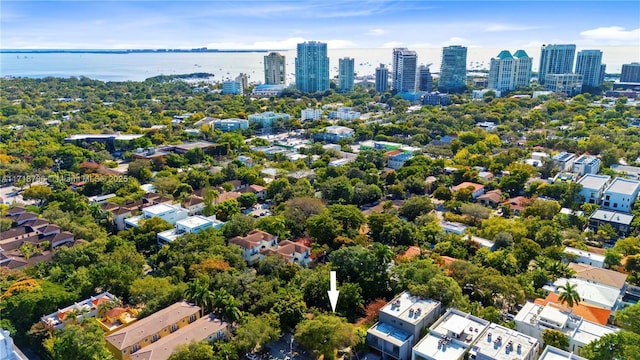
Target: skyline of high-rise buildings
630,73
312,67
556,59
453,69
404,67
275,71
589,65
346,74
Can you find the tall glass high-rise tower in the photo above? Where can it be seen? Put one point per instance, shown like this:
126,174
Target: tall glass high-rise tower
589,64
346,74
405,64
312,67
453,69
274,69
556,59
382,78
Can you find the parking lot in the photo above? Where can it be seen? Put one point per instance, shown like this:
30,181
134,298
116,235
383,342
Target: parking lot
12,194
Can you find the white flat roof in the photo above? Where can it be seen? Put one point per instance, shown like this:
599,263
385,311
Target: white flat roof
596,294
588,332
521,344
409,302
456,324
585,253
430,347
125,137
552,353
553,315
623,186
595,182
193,221
156,210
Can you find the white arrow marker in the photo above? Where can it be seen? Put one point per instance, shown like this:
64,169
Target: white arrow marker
333,292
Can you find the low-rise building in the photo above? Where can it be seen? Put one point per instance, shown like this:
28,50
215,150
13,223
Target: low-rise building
627,170
477,189
570,84
290,251
396,160
84,309
533,319
596,275
334,134
564,161
168,213
553,353
450,337
267,90
621,222
453,227
310,114
593,187
586,164
501,343
8,351
190,225
267,118
591,293
491,198
585,257
253,243
399,325
621,194
230,124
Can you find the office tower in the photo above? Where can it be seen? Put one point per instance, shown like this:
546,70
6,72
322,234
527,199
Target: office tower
588,64
346,74
630,73
556,59
312,67
453,69
274,69
243,80
522,72
404,70
507,72
382,78
424,78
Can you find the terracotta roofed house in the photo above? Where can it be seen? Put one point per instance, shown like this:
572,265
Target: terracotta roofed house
255,241
491,198
478,189
291,252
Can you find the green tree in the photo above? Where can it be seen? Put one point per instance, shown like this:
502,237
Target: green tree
555,338
415,206
198,292
569,294
629,318
37,192
621,345
256,331
200,350
325,334
247,199
80,342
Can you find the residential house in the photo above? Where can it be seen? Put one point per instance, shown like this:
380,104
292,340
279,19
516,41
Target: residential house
400,323
190,225
259,191
621,222
517,204
491,198
84,309
453,227
564,161
621,194
627,170
553,353
116,318
450,337
168,213
533,319
590,293
194,205
168,322
253,243
477,189
588,312
397,158
597,275
499,342
584,257
289,251
593,187
586,164
334,134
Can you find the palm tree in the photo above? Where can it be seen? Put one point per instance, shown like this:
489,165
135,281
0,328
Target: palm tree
227,306
569,294
382,252
198,292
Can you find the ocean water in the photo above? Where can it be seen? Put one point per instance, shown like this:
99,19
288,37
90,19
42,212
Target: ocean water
140,66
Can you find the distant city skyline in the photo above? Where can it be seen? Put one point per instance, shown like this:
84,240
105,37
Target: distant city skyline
274,25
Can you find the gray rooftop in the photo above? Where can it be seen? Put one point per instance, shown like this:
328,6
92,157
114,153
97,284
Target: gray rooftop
591,181
612,216
623,186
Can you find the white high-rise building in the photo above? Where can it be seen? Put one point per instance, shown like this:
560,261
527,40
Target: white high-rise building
589,65
507,72
274,69
556,59
404,70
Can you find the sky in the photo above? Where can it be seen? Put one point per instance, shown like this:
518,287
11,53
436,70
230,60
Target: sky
267,24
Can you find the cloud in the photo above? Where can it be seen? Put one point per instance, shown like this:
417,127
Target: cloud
456,41
612,35
508,27
290,43
376,32
392,44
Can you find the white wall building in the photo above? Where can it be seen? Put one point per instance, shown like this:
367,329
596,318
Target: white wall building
192,224
310,114
621,194
585,257
168,213
533,319
501,343
593,187
586,164
553,353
